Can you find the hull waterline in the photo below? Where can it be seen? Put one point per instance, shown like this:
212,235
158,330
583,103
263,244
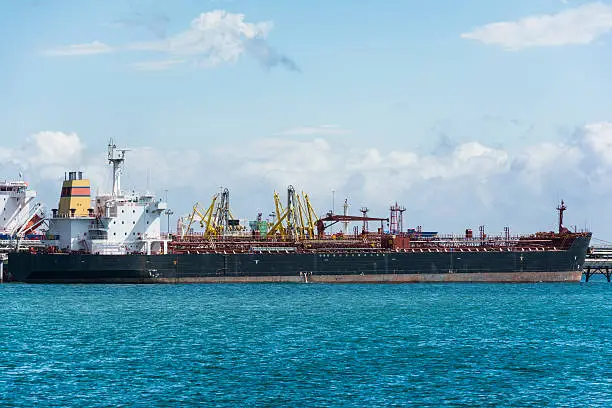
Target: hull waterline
382,267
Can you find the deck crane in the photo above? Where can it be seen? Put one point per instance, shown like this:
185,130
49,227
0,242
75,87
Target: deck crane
280,215
311,216
302,230
205,217
223,218
295,221
216,219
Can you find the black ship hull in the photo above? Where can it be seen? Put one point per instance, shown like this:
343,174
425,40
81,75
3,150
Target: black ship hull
491,265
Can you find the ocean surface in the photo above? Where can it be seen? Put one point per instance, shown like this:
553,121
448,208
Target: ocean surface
306,345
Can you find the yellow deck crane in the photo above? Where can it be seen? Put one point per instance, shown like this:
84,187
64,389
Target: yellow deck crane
311,217
280,215
204,217
216,219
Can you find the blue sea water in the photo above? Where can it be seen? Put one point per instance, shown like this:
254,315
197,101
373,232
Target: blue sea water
306,345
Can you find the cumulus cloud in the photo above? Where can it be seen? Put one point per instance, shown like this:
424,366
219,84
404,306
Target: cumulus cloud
465,186
280,162
536,159
323,166
212,39
46,154
598,138
161,168
5,154
55,148
579,25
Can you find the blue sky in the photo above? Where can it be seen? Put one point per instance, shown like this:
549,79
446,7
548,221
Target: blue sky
373,99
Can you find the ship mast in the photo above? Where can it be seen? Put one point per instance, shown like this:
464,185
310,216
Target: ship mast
561,208
116,157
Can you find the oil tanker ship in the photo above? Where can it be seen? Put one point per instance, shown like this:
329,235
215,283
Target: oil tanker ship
116,238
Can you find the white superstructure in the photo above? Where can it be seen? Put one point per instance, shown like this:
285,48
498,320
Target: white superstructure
18,209
114,223
20,215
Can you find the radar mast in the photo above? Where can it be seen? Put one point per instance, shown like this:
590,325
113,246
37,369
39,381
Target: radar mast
116,157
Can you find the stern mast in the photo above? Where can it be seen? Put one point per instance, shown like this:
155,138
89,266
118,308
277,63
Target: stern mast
561,208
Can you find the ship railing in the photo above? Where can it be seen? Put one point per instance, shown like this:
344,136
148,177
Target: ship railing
491,241
449,241
109,249
477,249
273,249
26,238
63,216
518,237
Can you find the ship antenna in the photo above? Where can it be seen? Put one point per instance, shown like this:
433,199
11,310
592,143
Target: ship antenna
561,208
148,180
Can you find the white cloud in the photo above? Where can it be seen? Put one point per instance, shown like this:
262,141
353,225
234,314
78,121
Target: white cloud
5,154
461,187
178,168
580,25
468,184
320,166
48,154
218,35
92,48
322,130
598,137
212,39
538,159
55,148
